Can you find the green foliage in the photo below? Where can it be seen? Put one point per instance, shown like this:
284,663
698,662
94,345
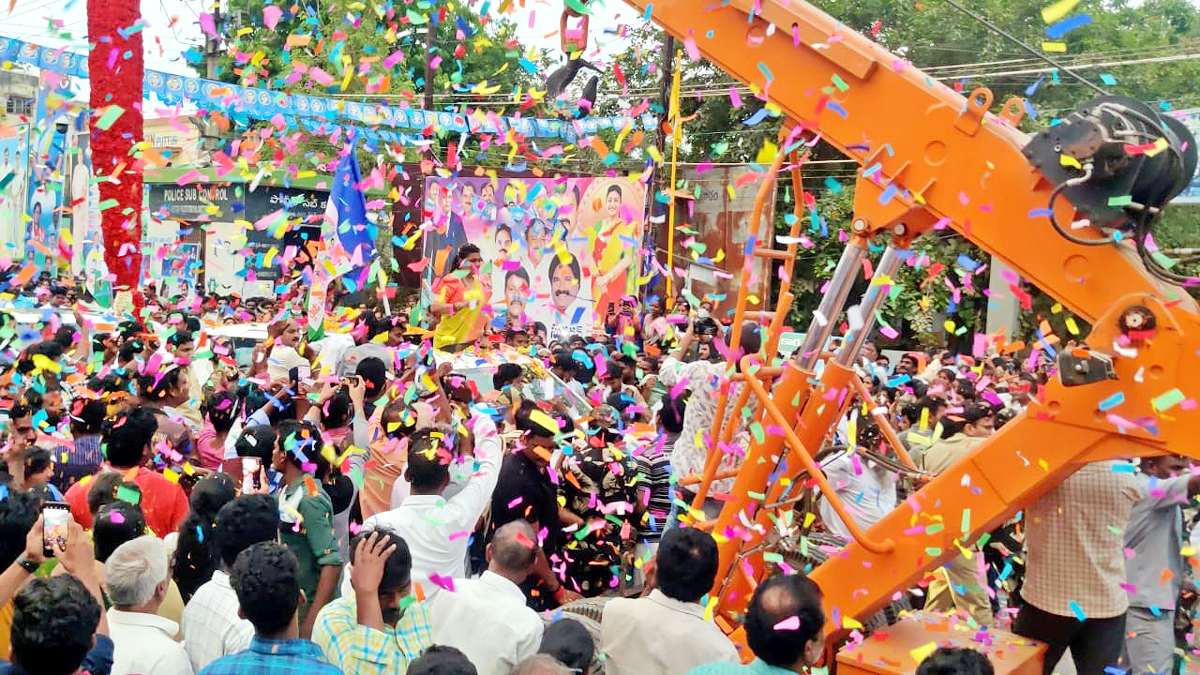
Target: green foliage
377,53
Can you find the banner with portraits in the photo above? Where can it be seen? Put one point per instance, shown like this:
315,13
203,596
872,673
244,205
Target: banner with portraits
559,252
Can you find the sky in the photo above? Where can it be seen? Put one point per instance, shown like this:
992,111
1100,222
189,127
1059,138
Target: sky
173,25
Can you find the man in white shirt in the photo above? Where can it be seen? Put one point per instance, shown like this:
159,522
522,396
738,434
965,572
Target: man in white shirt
666,632
136,577
487,617
437,530
867,490
567,312
211,625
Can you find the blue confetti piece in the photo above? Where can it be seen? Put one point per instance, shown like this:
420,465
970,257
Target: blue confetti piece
1056,30
1029,109
964,261
837,108
1112,401
833,186
888,194
1078,611
1108,79
1032,89
757,117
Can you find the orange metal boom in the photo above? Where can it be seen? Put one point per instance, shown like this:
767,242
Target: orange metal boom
931,157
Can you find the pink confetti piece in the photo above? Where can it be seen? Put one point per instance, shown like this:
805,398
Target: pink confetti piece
271,15
320,76
790,623
208,25
444,582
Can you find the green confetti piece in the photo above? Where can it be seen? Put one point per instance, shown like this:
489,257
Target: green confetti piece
934,528
933,551
111,114
129,495
107,204
756,430
757,496
839,82
1167,400
772,557
1124,200
966,521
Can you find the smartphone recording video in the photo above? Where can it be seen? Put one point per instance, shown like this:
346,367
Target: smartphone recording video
55,517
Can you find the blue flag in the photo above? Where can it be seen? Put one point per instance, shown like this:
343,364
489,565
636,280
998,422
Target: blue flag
348,209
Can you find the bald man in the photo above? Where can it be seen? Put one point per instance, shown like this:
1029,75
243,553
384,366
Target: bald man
784,628
487,617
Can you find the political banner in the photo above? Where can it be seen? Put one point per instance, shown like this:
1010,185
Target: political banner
48,152
558,252
14,174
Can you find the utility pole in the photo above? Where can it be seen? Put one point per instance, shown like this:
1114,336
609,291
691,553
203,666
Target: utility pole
212,44
658,210
429,29
209,135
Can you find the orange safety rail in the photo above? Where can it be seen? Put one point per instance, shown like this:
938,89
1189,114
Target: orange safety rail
884,425
722,432
806,460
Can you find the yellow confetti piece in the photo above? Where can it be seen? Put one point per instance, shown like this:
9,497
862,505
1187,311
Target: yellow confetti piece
918,655
1072,327
171,475
1159,145
1067,160
43,362
949,325
1054,47
851,623
544,421
1056,11
767,153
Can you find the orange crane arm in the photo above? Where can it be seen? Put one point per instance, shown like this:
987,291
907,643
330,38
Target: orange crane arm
932,158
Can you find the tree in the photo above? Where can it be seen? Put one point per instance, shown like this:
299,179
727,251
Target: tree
1165,27
371,52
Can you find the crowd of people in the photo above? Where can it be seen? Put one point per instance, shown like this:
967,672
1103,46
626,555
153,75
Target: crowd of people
356,504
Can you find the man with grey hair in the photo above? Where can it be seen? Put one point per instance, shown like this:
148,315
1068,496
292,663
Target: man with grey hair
541,664
487,617
136,577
